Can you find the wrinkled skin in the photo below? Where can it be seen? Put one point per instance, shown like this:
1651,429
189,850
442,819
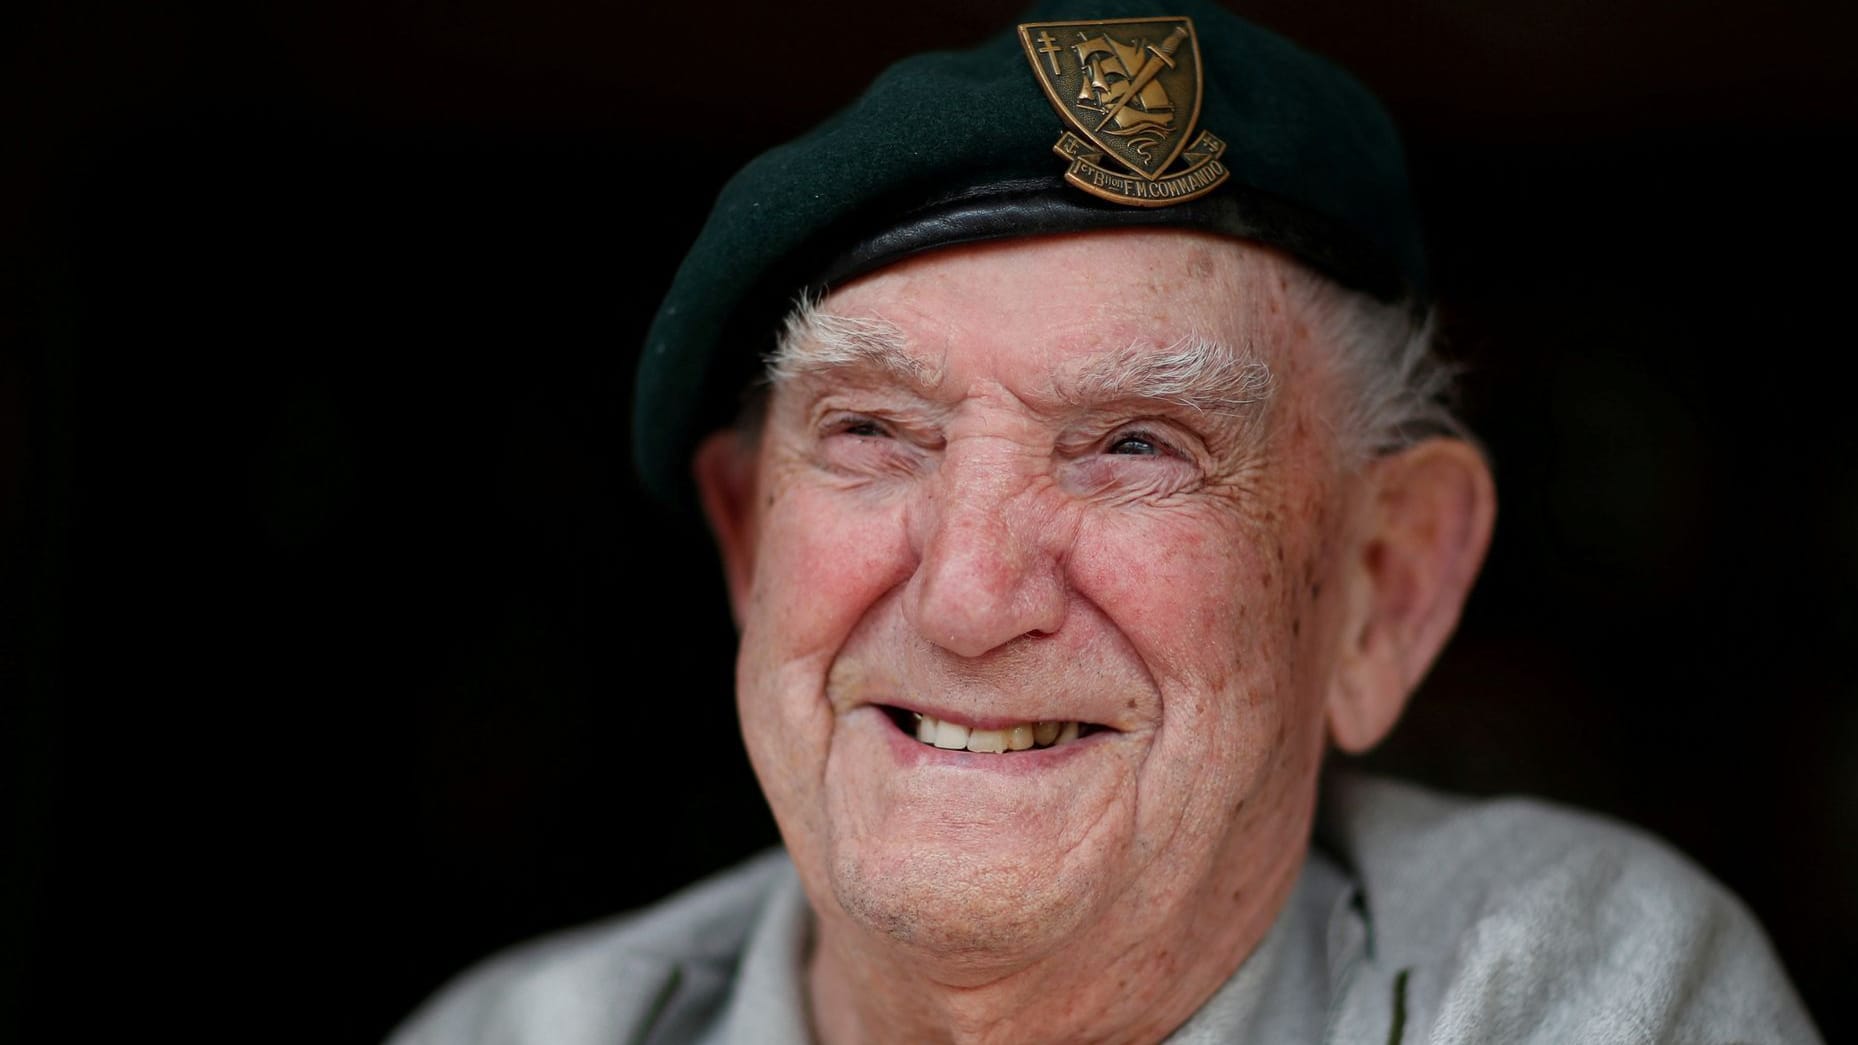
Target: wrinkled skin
983,544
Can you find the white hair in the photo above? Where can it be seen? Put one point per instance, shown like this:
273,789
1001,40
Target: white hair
1196,371
1394,387
813,339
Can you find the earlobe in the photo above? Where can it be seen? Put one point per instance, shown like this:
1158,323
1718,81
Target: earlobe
724,469
1424,532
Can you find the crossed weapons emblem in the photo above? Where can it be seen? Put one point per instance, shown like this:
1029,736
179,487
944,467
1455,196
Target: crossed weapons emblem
1130,90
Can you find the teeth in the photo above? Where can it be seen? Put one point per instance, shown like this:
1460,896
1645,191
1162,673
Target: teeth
950,735
1019,737
991,741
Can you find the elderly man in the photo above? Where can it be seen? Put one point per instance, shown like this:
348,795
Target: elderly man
1090,483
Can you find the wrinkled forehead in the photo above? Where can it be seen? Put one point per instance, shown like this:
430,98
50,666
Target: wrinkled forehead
1053,308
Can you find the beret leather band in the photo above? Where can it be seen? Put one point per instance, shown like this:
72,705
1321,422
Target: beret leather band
957,147
1046,206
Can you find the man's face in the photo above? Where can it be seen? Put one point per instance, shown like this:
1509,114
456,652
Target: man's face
1010,502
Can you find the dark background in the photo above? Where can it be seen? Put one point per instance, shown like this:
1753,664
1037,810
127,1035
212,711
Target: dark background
328,599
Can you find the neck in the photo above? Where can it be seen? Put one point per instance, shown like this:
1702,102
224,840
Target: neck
1118,979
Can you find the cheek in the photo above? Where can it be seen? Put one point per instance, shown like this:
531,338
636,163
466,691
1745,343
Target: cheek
816,573
819,569
1214,606
1194,594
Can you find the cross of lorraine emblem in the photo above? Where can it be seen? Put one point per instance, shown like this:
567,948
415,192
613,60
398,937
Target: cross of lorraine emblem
1130,90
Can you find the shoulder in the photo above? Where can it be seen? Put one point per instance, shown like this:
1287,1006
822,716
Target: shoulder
1517,919
600,981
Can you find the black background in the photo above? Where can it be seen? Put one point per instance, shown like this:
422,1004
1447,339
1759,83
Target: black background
340,648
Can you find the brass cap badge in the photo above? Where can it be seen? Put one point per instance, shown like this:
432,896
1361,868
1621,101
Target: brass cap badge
1130,87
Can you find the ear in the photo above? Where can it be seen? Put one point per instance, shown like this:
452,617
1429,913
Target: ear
1421,535
724,469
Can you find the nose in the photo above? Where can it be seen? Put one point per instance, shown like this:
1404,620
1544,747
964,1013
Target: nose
991,562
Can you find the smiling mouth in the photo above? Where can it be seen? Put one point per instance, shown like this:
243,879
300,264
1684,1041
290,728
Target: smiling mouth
1022,736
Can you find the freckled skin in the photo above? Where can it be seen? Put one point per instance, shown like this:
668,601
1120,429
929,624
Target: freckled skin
971,549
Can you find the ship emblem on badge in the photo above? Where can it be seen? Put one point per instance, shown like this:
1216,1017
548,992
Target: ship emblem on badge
1129,89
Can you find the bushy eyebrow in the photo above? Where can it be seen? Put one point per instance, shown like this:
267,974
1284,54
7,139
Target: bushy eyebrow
815,341
1196,372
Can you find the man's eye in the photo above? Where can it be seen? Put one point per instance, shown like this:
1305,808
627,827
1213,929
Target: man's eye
862,426
1136,443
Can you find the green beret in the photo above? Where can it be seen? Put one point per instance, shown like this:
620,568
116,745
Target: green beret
957,147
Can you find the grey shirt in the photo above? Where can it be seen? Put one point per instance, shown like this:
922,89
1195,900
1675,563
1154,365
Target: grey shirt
1417,918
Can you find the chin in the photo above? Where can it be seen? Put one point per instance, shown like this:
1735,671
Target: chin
973,904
